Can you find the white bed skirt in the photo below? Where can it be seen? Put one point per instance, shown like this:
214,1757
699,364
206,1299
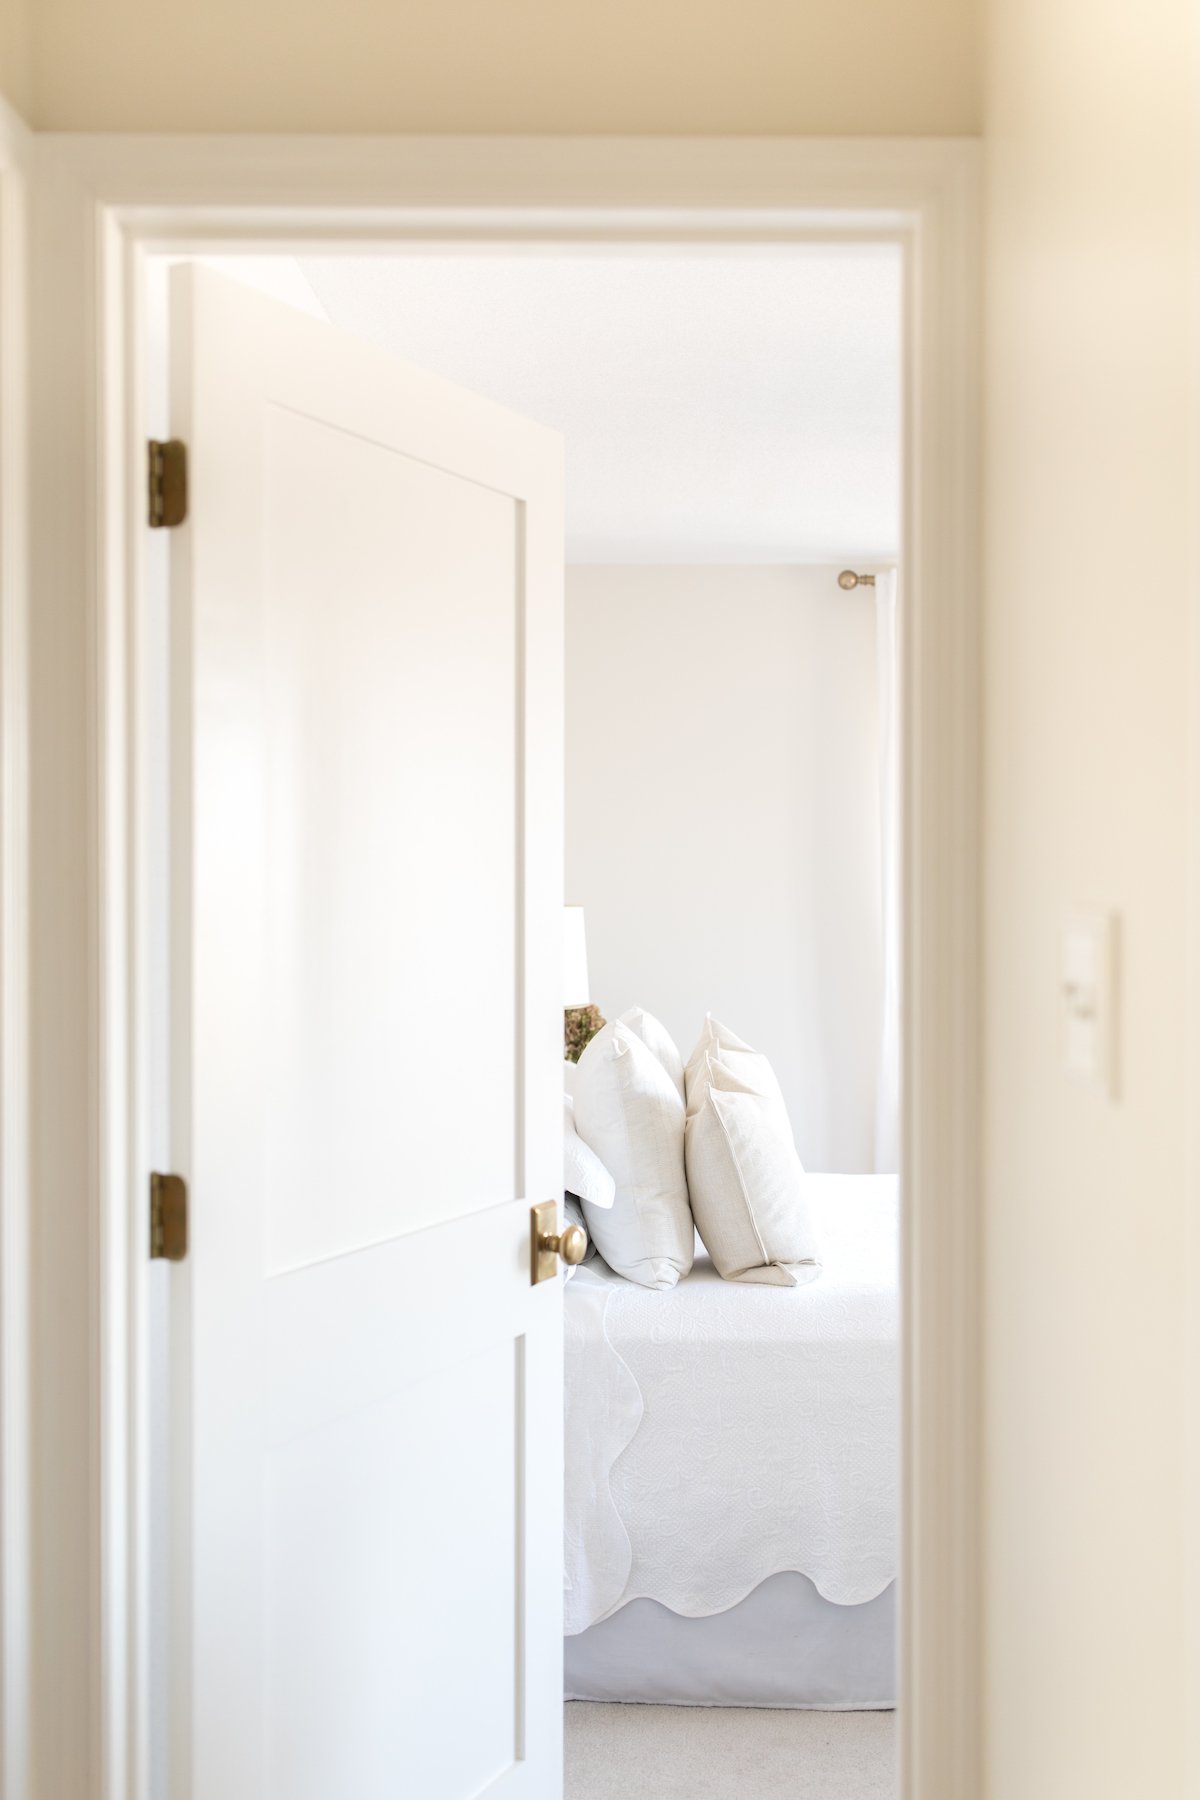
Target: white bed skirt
783,1645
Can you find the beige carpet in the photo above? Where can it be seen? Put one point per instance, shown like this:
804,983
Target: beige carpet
727,1753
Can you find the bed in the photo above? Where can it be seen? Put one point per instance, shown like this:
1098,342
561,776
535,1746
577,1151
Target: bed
732,1476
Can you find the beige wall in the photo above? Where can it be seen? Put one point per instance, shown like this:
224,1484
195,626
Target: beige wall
723,821
653,66
1089,422
16,54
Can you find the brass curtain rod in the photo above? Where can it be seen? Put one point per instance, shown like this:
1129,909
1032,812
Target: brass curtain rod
849,580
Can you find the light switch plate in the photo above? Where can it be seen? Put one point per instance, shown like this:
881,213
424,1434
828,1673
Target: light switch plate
1088,997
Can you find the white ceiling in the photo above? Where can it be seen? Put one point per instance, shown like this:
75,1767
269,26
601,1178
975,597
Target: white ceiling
717,407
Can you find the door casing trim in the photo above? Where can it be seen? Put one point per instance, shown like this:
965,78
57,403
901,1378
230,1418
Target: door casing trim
16,160
100,205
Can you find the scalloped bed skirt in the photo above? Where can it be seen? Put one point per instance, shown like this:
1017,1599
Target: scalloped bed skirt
783,1645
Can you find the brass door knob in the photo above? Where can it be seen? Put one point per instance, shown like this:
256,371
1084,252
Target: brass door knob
547,1244
570,1243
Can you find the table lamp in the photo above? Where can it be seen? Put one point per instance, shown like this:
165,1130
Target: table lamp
581,1019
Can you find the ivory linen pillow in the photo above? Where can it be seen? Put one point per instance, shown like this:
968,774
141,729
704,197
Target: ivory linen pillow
744,1176
751,1066
657,1039
628,1110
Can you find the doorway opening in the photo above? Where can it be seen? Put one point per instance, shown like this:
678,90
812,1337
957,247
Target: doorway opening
734,439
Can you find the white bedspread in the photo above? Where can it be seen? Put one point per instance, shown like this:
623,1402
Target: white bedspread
719,1433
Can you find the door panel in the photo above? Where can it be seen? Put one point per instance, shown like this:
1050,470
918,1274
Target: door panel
392,860
366,1033
364,1676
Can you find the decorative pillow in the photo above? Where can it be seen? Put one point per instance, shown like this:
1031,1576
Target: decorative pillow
583,1173
751,1066
629,1111
658,1040
569,1079
744,1176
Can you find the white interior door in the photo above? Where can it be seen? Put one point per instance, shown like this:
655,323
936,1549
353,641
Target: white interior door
366,1037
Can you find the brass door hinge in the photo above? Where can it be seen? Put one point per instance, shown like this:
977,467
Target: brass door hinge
168,1217
168,495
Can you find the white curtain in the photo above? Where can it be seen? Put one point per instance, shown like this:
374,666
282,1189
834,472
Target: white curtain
887,1087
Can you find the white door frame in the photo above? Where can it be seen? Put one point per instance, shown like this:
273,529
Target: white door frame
100,204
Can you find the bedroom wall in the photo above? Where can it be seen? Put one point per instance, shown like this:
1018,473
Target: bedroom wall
1090,419
722,820
904,66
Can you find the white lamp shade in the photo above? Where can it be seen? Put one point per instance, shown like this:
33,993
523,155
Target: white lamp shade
576,988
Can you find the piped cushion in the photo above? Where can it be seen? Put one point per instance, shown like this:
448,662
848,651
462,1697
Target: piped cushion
658,1040
745,1178
629,1111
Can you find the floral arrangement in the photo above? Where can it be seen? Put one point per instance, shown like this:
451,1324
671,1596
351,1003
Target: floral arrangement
581,1023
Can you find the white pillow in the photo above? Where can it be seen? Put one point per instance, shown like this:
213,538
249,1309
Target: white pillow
745,1179
658,1040
750,1066
568,1077
583,1173
628,1110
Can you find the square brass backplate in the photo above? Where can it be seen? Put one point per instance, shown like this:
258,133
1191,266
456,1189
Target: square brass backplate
543,1224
